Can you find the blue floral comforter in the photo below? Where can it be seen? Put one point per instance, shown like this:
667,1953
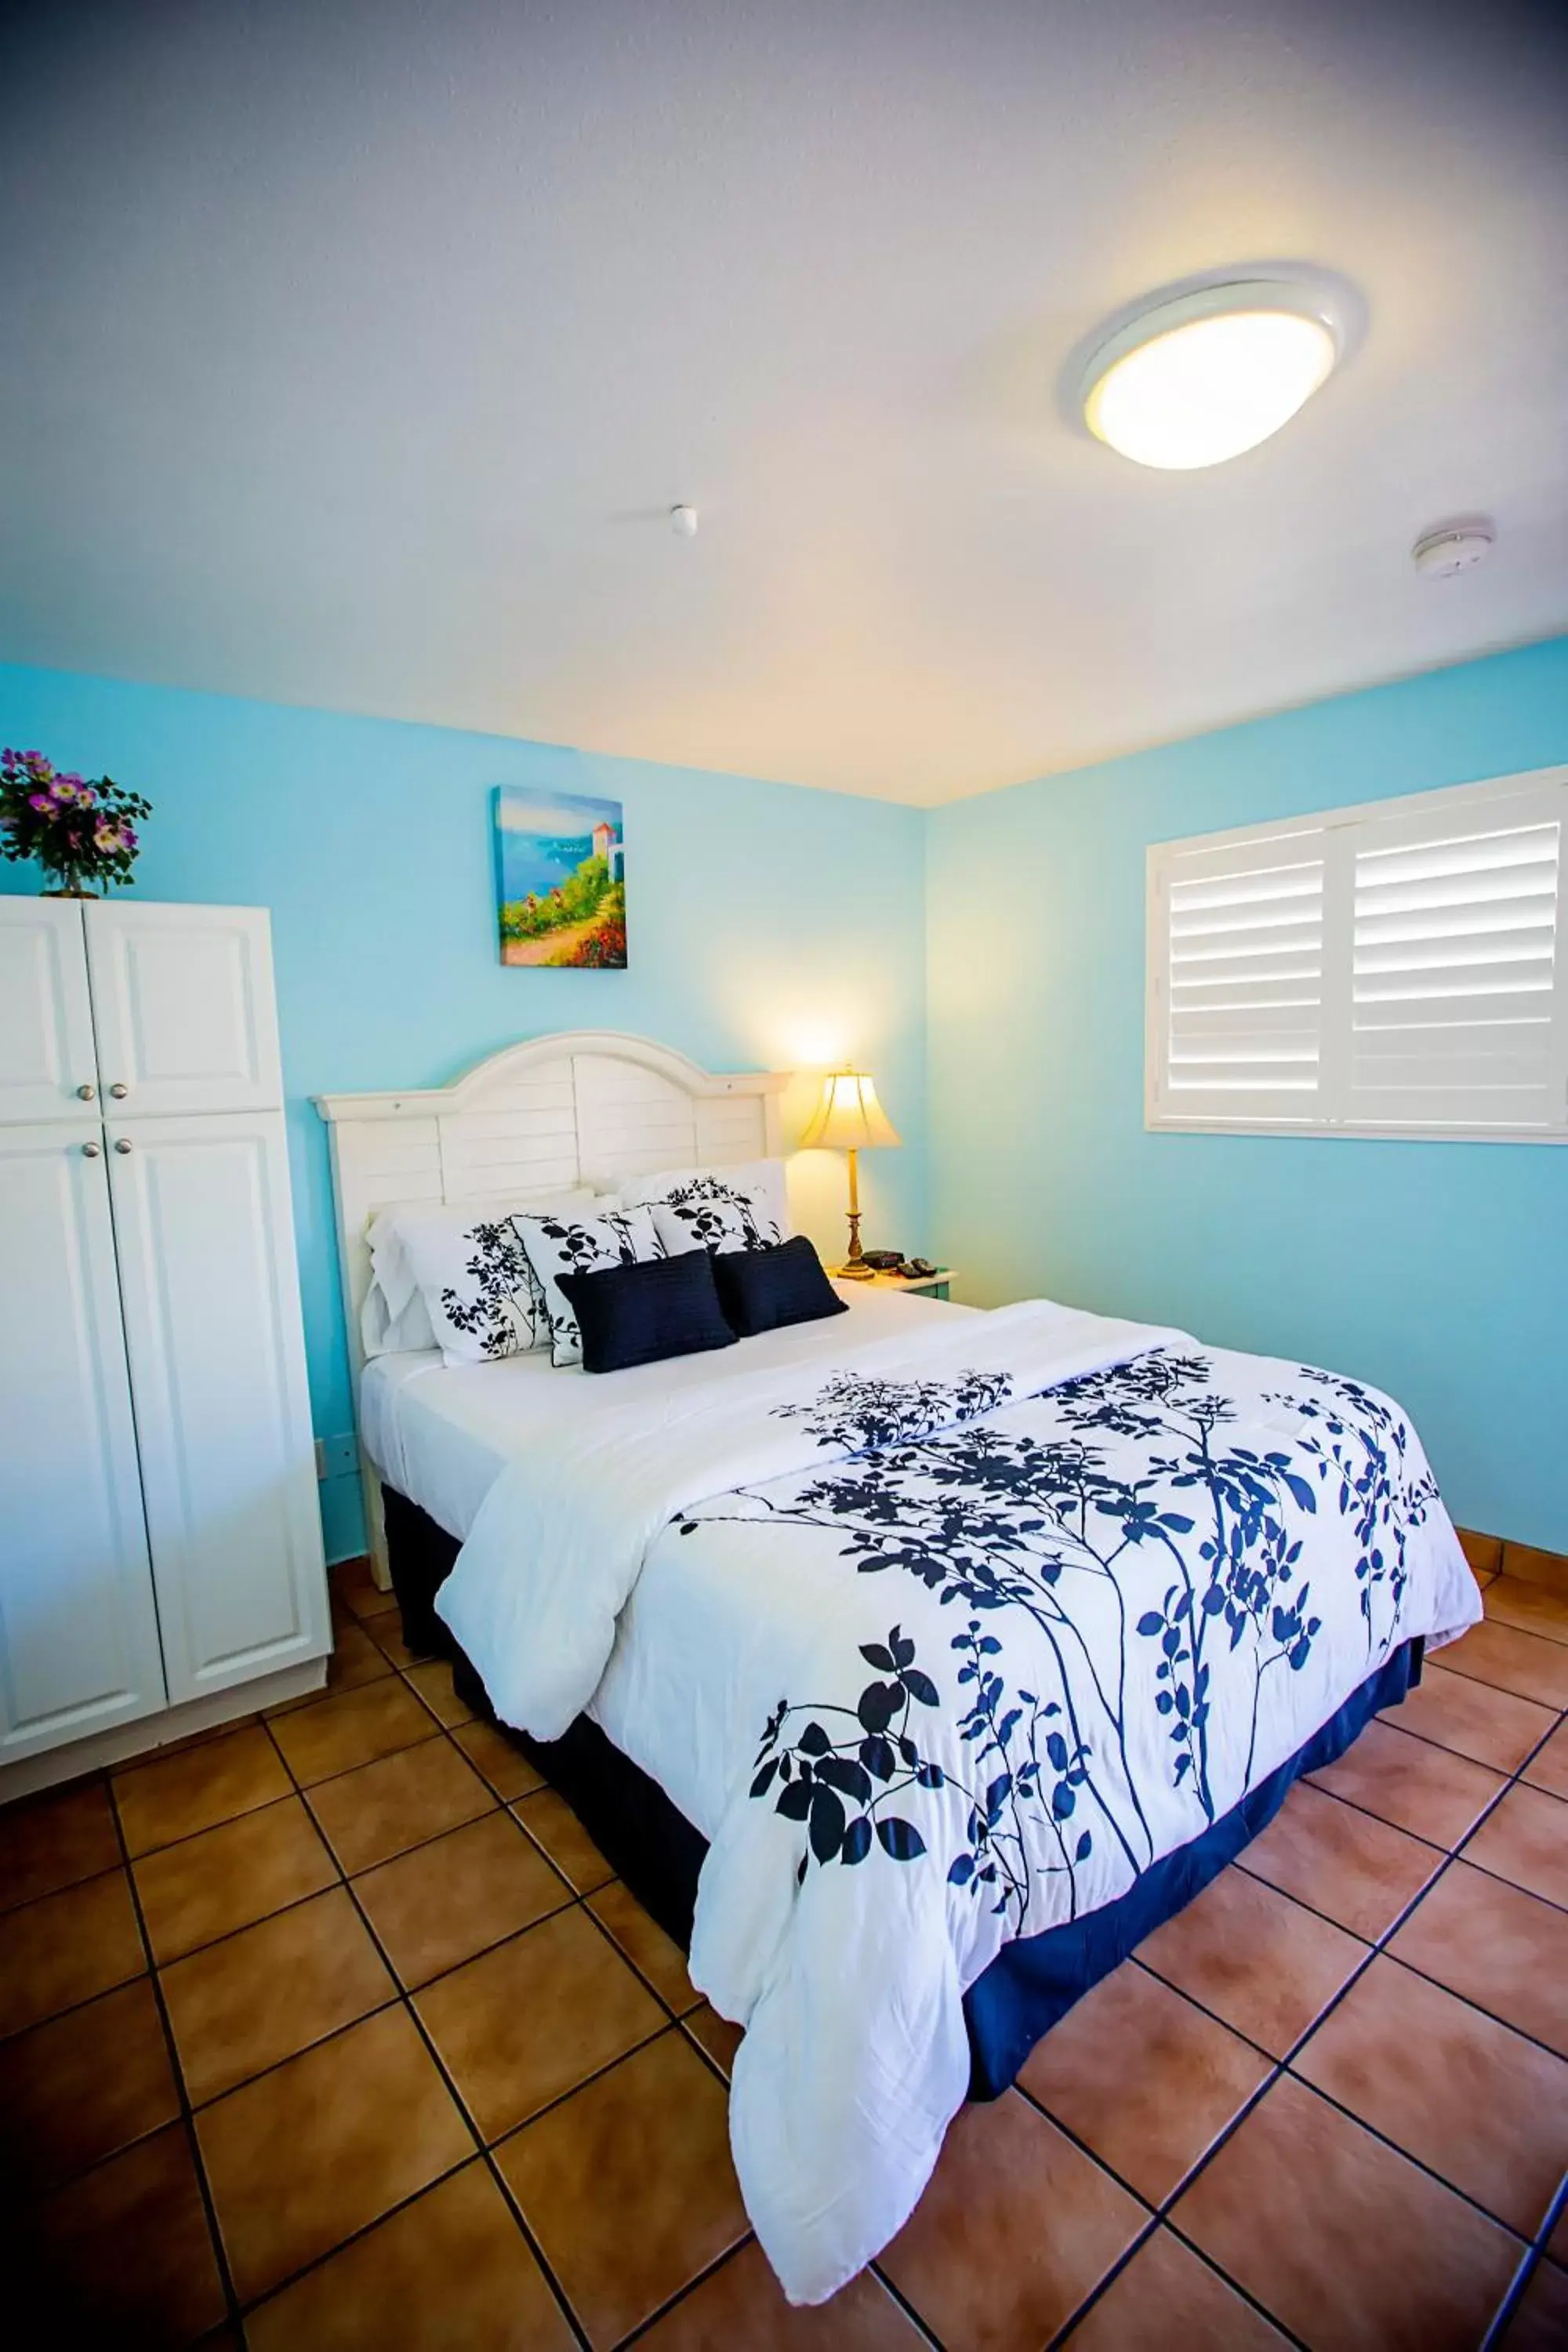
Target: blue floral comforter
999,1615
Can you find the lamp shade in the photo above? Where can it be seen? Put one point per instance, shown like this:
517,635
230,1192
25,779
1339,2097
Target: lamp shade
848,1118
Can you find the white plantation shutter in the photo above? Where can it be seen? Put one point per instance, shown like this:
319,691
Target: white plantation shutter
1394,969
1455,979
1244,933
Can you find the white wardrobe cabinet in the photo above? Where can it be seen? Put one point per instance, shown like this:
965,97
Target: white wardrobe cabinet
160,1542
78,1627
182,1009
49,1063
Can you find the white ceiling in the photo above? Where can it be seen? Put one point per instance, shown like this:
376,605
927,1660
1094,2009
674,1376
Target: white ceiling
350,355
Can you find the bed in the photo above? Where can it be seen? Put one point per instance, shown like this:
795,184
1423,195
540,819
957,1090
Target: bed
910,1665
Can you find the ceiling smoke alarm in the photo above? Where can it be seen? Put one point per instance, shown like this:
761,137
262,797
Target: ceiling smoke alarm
1453,547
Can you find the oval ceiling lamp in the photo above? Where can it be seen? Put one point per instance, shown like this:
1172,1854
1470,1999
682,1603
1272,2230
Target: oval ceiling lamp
1200,377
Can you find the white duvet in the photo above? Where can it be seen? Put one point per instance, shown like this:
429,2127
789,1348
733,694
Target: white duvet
942,1640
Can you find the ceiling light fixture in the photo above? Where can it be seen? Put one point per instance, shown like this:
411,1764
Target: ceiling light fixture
1200,377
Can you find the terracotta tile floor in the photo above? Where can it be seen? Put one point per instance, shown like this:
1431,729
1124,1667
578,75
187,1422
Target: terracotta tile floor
334,2030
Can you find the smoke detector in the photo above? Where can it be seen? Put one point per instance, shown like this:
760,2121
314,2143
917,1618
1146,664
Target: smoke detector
1452,548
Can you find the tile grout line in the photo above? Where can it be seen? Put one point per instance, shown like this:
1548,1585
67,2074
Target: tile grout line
1450,1852
1377,1949
296,1794
1158,2215
1501,2325
681,2025
177,2071
1282,2066
699,2279
915,2316
1156,2222
486,2156
298,1902
319,2261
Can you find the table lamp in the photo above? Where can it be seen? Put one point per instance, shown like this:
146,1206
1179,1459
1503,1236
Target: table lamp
848,1118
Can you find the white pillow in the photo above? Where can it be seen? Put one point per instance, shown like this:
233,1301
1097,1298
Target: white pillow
461,1269
573,1244
721,1208
381,1333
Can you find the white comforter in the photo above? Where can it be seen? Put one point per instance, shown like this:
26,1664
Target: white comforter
1002,1610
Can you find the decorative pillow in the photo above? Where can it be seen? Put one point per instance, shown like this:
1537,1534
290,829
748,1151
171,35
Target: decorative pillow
641,1314
462,1267
721,1208
572,1242
764,1289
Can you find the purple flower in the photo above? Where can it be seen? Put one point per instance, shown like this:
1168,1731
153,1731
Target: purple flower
42,801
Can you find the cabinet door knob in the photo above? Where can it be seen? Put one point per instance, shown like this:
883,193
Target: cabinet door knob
123,1143
92,1151
85,1094
118,1091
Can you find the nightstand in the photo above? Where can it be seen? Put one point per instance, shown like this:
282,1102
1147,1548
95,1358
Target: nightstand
917,1286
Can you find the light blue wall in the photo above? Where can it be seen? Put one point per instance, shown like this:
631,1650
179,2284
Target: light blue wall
1437,1270
772,927
769,926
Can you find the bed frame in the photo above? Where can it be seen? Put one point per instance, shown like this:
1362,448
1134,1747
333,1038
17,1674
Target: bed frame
580,1107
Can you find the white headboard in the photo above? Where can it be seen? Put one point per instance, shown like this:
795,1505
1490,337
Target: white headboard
583,1107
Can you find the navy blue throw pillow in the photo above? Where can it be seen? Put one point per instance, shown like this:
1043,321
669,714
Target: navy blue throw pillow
762,1289
641,1314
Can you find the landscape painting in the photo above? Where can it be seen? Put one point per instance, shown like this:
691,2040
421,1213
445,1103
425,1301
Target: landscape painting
560,879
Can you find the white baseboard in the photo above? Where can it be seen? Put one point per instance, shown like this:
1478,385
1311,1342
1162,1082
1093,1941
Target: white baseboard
150,1732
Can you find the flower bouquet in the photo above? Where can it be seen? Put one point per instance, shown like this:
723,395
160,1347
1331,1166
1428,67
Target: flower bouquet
81,831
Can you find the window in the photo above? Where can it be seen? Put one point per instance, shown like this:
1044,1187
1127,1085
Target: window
1391,969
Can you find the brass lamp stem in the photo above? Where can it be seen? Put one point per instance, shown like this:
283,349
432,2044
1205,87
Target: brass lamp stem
854,1257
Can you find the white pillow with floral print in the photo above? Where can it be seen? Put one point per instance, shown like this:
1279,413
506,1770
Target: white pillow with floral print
571,1243
466,1267
718,1209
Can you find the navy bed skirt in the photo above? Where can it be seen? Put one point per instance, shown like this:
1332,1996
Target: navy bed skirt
1031,1982
1037,1980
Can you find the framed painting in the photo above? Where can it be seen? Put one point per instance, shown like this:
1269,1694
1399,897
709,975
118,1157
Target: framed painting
560,881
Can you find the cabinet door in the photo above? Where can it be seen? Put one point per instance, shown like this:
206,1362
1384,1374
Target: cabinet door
182,997
79,1630
218,1372
46,1021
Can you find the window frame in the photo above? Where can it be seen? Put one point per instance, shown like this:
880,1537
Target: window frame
1161,856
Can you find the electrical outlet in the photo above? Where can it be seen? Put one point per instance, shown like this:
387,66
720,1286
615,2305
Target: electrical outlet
337,1457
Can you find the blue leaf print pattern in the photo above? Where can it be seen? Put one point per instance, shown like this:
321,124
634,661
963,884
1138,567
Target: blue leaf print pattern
988,1519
